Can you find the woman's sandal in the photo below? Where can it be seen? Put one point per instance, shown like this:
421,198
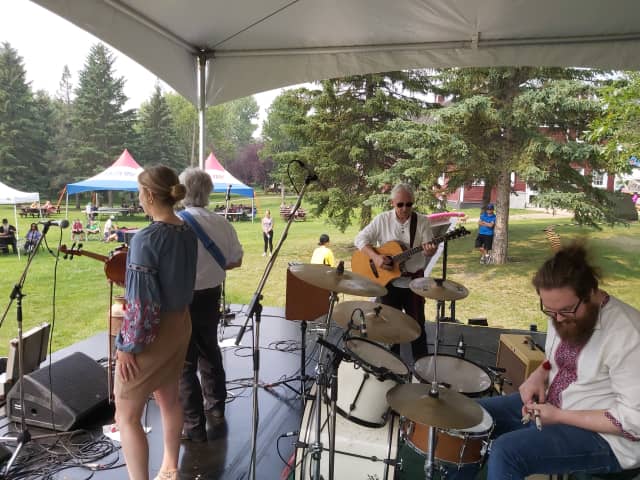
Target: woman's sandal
167,475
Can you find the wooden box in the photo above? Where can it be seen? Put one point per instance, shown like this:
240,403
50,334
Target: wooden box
520,357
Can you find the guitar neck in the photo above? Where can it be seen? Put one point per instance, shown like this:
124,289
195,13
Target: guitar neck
404,256
85,253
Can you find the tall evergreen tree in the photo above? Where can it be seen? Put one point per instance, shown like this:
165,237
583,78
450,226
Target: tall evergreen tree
101,128
24,136
503,120
157,134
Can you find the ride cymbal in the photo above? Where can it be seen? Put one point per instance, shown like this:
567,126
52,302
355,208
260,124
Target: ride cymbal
438,289
323,276
449,409
383,323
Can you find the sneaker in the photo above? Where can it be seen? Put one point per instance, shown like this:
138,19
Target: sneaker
270,253
264,254
487,259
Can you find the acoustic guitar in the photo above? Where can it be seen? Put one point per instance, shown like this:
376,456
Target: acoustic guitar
115,264
363,265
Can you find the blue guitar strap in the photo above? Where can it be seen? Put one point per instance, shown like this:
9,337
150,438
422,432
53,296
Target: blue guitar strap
208,243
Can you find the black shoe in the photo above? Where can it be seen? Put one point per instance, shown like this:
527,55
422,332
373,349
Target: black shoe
196,435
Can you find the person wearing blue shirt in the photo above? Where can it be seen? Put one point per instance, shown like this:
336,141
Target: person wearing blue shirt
484,240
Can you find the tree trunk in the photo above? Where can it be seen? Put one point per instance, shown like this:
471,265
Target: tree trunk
365,216
501,231
486,192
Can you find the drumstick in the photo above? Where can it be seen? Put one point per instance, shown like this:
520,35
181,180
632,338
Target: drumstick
536,414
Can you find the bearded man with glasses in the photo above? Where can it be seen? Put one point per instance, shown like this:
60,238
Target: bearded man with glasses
396,225
584,400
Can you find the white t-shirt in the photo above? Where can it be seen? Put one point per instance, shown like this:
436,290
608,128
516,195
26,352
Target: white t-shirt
209,274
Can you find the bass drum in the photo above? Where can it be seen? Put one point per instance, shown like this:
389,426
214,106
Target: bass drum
361,453
455,373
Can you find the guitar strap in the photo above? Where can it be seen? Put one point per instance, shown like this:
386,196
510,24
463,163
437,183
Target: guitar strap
412,228
208,243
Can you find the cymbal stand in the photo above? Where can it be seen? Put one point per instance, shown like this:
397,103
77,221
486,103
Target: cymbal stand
440,304
434,392
254,314
23,437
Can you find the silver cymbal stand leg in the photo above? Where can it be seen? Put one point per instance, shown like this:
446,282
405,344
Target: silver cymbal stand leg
433,392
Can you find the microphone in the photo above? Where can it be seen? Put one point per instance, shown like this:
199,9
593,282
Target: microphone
340,268
460,348
64,223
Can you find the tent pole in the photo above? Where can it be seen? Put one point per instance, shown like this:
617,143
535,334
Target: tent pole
202,62
15,216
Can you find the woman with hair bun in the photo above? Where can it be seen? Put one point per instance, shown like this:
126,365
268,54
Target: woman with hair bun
155,333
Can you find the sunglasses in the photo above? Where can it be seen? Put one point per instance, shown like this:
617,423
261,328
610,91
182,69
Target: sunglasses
403,204
565,313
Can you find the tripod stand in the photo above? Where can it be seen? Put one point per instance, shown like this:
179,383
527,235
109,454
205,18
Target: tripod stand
23,436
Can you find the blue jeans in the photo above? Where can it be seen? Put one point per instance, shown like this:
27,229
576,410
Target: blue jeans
519,450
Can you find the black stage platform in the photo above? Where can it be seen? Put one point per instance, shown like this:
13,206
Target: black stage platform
227,453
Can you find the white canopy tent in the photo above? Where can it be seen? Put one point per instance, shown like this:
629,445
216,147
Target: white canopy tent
11,196
223,181
212,52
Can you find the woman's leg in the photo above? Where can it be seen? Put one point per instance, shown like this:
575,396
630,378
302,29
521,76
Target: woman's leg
168,400
134,440
265,238
271,241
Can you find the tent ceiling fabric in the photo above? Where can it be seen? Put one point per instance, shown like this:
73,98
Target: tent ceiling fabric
260,45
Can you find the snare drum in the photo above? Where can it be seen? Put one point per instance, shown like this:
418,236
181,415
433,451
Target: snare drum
456,373
453,447
364,381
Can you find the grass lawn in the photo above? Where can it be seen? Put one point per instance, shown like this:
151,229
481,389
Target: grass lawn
74,294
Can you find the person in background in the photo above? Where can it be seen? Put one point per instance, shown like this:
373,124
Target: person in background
484,240
586,395
8,236
395,225
152,343
267,233
634,198
31,238
110,230
323,254
77,230
208,393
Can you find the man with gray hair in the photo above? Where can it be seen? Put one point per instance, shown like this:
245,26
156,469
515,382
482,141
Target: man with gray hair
403,225
218,251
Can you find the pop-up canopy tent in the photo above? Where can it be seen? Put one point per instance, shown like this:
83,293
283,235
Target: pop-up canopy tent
122,175
11,196
223,180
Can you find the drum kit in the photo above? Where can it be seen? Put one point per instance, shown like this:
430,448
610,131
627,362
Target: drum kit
366,402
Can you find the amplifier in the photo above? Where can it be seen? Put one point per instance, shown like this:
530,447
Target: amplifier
304,301
520,357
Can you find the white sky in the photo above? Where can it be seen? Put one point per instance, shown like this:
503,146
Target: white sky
47,43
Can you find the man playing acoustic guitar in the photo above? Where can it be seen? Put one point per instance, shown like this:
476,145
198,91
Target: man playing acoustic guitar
401,225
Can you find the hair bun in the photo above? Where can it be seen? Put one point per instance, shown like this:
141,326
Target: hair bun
178,191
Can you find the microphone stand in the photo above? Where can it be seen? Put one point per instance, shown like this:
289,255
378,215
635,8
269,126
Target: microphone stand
23,437
254,313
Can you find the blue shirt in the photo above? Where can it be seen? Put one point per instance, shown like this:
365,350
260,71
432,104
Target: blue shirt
161,275
485,217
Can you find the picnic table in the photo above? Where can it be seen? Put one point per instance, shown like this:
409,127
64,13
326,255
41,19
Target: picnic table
109,211
34,212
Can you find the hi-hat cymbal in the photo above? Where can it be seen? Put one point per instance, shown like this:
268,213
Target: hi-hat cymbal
449,409
383,323
323,276
438,289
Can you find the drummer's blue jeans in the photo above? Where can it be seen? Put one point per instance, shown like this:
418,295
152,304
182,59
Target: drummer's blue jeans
519,450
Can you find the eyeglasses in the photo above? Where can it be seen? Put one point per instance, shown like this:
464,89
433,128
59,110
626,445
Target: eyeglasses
565,313
403,204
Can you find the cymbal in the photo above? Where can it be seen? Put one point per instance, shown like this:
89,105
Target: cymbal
384,323
449,409
438,289
323,276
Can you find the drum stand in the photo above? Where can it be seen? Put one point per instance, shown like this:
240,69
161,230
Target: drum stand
429,464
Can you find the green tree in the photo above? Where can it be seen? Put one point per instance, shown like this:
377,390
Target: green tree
502,120
101,128
185,120
24,136
157,134
230,127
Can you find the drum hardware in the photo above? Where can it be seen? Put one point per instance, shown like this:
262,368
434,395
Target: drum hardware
382,323
332,279
497,375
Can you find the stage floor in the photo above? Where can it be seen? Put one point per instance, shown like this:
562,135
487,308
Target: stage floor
227,453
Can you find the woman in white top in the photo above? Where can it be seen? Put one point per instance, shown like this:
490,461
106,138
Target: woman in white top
267,233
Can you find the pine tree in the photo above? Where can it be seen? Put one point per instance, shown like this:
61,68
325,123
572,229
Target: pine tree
101,128
157,134
24,136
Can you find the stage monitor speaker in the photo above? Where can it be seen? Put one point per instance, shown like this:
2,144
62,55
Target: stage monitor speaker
68,392
304,301
519,355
